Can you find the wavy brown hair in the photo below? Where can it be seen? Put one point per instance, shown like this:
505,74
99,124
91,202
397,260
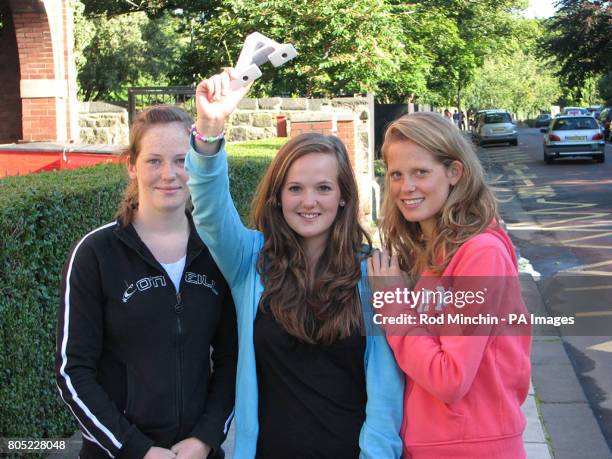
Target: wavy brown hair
325,307
145,120
469,208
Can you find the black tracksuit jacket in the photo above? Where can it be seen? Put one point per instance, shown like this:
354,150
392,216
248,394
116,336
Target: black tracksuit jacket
133,358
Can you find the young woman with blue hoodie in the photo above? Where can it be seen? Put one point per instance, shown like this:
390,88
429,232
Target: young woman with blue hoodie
314,378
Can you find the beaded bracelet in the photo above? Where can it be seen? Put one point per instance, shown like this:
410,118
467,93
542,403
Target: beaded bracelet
201,138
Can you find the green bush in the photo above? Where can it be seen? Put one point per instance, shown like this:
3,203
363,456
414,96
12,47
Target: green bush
379,168
41,217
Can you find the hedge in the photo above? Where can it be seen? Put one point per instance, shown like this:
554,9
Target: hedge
41,216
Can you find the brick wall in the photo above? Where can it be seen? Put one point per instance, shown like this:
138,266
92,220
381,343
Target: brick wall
36,63
10,101
45,69
322,127
346,131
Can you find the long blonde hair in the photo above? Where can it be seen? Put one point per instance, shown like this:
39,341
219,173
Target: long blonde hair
326,308
468,210
145,120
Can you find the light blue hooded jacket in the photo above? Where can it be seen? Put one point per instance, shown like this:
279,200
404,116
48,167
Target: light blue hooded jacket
235,249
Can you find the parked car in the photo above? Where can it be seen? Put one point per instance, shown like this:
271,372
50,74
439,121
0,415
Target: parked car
477,115
574,136
495,127
574,111
543,120
594,111
605,118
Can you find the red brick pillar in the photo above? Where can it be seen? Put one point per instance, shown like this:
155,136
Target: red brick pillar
43,32
345,129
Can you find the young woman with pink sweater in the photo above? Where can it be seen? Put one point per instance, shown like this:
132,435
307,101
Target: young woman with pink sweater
465,387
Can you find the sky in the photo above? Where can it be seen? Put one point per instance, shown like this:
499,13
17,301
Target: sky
540,8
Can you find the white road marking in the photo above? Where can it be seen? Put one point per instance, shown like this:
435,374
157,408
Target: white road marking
602,347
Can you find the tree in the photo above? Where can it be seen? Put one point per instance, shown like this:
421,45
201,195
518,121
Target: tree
579,39
150,7
605,88
514,78
344,46
122,51
520,83
471,31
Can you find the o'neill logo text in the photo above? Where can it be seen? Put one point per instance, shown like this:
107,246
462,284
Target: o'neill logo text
143,284
201,279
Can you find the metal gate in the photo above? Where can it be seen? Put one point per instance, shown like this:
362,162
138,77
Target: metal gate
142,97
384,114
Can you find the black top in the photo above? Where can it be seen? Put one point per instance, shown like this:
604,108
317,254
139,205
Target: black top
133,354
311,397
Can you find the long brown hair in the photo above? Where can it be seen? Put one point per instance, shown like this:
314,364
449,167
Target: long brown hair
325,308
468,210
144,120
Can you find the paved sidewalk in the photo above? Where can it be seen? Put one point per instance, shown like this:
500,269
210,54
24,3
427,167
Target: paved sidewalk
571,429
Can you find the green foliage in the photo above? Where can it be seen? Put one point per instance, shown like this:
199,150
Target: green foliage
115,53
151,7
579,38
519,83
41,216
515,79
605,88
426,51
344,46
379,168
465,33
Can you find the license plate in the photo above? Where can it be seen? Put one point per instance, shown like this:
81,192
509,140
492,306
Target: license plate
499,129
575,137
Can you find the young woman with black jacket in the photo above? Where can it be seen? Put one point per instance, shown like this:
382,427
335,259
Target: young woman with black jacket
142,304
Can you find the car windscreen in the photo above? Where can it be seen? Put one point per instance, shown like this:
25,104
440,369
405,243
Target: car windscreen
575,111
494,118
572,124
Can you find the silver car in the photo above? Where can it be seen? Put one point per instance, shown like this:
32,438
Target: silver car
573,136
495,127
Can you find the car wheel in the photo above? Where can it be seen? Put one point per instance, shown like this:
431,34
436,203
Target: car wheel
514,142
601,158
548,159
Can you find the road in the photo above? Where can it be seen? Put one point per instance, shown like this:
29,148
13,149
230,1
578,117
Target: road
560,218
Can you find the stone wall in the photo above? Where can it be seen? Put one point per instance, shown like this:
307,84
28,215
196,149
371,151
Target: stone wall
102,123
349,118
258,118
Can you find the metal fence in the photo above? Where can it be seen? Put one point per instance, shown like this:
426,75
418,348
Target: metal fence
142,97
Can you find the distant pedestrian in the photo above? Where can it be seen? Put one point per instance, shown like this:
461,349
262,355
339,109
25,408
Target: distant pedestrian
465,387
448,115
456,118
462,120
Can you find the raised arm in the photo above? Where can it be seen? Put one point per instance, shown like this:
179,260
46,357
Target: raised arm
214,213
